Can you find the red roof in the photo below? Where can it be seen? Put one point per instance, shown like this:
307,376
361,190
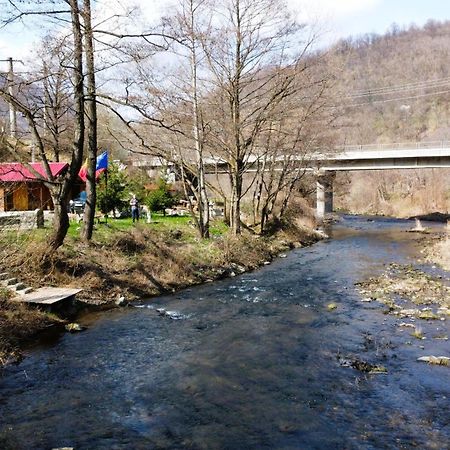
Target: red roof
14,172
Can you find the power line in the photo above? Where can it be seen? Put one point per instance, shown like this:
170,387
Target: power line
398,91
399,98
404,85
402,88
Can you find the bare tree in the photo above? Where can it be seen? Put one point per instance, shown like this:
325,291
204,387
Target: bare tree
247,57
57,110
186,28
170,105
91,123
289,140
60,188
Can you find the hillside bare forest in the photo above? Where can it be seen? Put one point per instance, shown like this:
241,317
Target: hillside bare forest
394,88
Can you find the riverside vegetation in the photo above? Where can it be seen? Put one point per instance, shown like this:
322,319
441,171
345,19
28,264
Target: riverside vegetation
129,262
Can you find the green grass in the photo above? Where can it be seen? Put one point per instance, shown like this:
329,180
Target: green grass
170,222
105,230
218,228
159,223
21,237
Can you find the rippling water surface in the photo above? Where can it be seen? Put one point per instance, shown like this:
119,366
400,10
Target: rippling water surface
251,363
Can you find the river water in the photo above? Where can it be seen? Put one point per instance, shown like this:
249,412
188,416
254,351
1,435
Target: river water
252,363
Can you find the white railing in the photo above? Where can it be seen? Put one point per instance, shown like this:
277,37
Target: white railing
394,146
319,153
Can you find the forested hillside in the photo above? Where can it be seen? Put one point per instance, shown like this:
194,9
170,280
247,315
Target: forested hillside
394,88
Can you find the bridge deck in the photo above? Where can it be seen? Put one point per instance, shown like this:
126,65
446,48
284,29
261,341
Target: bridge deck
389,154
384,157
351,157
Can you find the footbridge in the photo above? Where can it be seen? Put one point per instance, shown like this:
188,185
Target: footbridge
420,155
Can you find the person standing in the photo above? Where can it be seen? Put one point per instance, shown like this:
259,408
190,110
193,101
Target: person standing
134,208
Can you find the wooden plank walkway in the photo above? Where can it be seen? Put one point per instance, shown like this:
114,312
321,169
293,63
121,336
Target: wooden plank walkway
47,295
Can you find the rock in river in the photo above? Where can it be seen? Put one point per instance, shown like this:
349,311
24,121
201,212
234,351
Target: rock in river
74,327
174,315
436,360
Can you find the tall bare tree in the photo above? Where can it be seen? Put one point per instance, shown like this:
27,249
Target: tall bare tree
60,188
91,122
186,28
248,57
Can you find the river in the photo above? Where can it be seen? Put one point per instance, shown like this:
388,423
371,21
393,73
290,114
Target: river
252,363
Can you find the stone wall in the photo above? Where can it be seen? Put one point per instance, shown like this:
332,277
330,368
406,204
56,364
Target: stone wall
22,220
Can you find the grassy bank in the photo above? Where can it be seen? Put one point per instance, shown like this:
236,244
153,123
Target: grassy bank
131,261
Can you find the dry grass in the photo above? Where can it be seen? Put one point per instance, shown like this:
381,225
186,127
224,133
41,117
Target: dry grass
144,261
18,323
393,193
440,253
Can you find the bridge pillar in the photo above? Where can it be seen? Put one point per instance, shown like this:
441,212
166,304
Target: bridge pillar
325,195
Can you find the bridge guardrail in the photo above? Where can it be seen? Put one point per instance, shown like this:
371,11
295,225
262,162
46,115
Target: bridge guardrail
394,146
320,153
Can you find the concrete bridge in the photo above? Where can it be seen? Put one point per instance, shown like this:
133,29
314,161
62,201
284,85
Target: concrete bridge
420,155
345,158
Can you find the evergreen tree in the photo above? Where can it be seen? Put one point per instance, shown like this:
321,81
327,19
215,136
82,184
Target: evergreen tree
161,198
112,190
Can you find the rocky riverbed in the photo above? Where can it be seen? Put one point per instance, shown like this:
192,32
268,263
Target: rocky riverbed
413,296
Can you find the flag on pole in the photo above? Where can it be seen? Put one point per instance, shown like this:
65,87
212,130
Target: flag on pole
83,171
100,166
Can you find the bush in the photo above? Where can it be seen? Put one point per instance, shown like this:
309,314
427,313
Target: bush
161,198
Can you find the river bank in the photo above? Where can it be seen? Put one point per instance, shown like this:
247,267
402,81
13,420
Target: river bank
438,252
140,262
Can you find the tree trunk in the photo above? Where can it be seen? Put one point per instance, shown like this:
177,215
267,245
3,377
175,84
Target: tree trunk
91,116
236,194
264,217
60,224
203,203
237,166
60,194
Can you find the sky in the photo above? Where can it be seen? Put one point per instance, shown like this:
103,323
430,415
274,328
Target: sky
366,16
338,18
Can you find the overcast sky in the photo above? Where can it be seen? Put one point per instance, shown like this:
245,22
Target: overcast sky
340,18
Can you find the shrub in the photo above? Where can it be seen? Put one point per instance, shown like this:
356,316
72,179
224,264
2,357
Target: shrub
161,198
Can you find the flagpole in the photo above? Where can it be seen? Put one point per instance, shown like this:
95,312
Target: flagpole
106,192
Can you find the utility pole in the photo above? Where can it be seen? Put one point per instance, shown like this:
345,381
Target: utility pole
12,109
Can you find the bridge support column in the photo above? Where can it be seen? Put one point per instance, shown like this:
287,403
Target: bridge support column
325,195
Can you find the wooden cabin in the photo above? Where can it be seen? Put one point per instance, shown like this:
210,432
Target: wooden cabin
21,190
